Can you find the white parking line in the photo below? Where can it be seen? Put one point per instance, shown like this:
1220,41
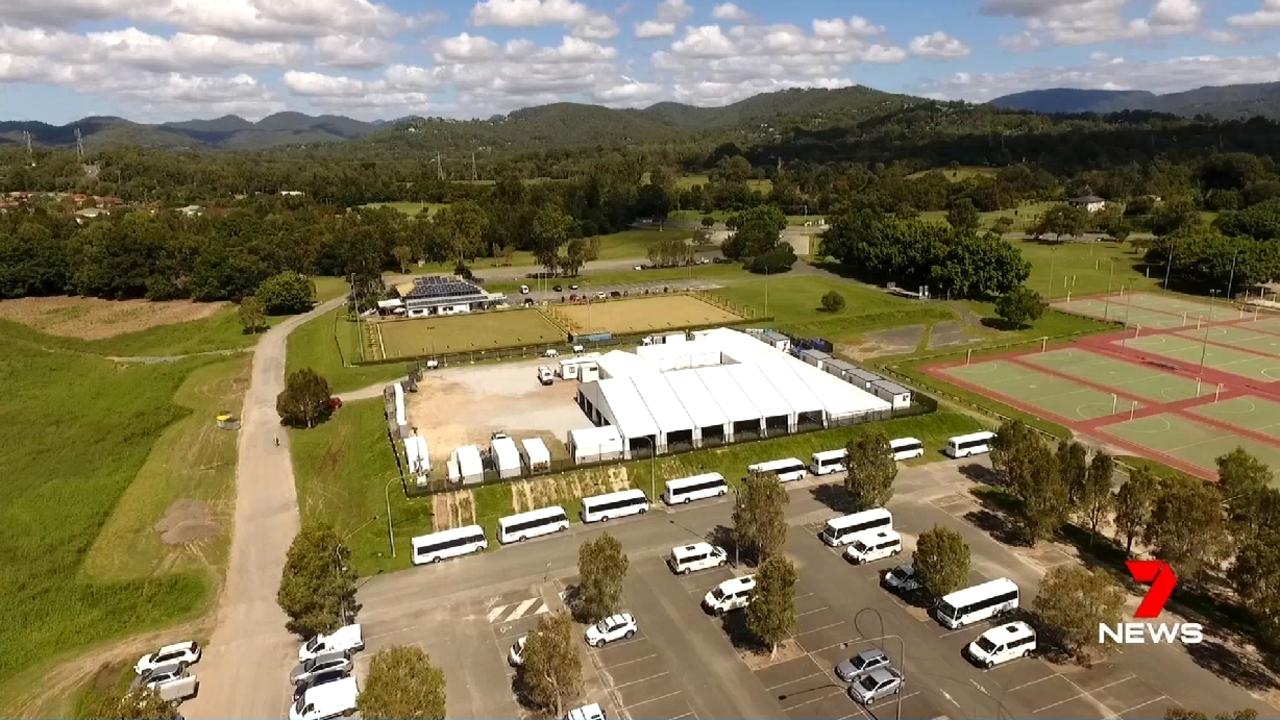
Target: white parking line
680,717
391,632
812,700
824,627
1033,682
653,699
1084,693
891,700
810,612
633,682
788,682
646,657
614,644
1158,698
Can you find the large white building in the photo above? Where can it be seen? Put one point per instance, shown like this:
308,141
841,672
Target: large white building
722,386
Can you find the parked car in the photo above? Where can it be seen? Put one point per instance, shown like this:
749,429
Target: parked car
865,661
545,376
329,700
586,712
601,296
515,658
181,654
524,289
615,293
551,352
639,267
304,671
578,349
557,288
573,287
901,580
614,627
347,638
319,679
1001,644
876,684
171,682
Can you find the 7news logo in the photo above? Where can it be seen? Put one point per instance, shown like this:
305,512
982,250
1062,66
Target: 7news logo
1160,576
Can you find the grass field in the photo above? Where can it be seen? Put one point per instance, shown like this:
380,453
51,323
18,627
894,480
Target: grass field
342,469
684,182
408,207
314,345
1083,268
635,243
639,315
1024,216
77,430
958,174
461,333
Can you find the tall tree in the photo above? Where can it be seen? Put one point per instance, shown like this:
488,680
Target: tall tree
575,256
1134,502
1187,528
1096,499
252,316
304,402
463,224
1244,481
402,684
1255,574
962,215
1073,463
552,670
551,229
759,516
1020,307
1042,494
871,470
771,616
941,561
1073,601
1009,449
318,585
287,293
602,566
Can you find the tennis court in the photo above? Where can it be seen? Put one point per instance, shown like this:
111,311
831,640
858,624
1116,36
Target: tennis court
1224,359
1248,412
1178,305
1189,441
1055,395
415,337
1118,375
1237,336
1116,309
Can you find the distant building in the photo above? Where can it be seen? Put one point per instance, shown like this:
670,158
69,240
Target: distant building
443,295
190,210
292,193
1091,203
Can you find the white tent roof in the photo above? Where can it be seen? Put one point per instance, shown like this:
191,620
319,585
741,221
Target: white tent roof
536,451
763,395
788,384
736,405
629,411
619,364
841,399
605,437
697,400
663,404
468,459
504,451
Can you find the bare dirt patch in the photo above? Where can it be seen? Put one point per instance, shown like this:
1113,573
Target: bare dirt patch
946,334
635,315
787,650
187,522
453,510
898,341
541,492
94,318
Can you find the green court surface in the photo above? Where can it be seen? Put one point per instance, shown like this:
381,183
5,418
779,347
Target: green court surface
1187,350
1059,396
1117,310
460,333
1118,375
1249,412
1269,323
1189,441
1175,305
1238,336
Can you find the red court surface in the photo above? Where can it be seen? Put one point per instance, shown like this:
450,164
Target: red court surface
1181,389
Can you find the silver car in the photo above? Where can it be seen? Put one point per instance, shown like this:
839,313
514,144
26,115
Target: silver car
170,682
849,670
878,683
324,662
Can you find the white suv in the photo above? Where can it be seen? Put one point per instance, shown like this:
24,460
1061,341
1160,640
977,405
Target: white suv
614,627
181,654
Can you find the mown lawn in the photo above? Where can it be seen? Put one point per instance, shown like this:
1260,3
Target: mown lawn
77,429
1083,268
408,207
314,345
342,469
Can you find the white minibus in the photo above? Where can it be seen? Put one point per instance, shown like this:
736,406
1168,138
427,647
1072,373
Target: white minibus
971,444
844,530
1002,644
906,448
448,543
694,488
827,462
614,505
698,556
980,602
729,595
787,470
543,521
873,546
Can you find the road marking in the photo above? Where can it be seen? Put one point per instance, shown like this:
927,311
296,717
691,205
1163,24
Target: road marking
828,647
633,682
646,657
980,688
392,632
824,627
1033,682
680,717
652,699
1158,698
811,700
810,612
895,699
950,699
788,682
514,611
1084,693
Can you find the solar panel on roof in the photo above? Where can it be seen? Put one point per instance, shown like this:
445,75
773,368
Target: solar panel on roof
436,286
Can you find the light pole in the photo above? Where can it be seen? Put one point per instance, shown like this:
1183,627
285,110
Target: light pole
391,534
1212,294
1231,279
1168,264
902,649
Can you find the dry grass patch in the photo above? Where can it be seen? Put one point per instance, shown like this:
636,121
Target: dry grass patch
453,510
567,489
87,318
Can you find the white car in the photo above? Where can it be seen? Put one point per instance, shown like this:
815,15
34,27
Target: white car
551,352
586,712
345,639
181,654
515,658
874,546
615,627
901,580
1002,644
304,671
171,682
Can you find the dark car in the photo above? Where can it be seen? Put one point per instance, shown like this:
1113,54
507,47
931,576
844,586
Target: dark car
557,288
316,680
615,293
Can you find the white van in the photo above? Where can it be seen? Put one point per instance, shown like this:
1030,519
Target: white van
787,470
524,289
828,462
1002,644
347,638
972,444
693,488
907,448
330,700
844,530
874,546
698,556
729,595
980,602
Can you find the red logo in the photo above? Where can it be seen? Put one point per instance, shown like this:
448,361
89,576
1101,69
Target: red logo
1160,576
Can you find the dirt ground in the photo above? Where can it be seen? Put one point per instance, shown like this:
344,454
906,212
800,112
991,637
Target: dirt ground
896,341
541,492
946,334
95,318
464,405
633,315
187,521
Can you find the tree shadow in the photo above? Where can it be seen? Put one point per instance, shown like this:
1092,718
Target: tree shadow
835,496
982,474
723,537
1223,661
1001,324
734,625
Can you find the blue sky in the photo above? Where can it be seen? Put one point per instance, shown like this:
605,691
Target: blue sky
155,60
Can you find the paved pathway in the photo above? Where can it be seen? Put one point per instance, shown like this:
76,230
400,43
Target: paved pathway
243,673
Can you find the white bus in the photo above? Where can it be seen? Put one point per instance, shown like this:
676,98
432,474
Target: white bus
844,530
980,602
827,462
600,508
543,521
787,470
906,448
698,556
694,488
448,543
971,444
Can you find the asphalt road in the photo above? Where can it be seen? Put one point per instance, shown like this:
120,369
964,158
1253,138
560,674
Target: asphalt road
246,661
468,611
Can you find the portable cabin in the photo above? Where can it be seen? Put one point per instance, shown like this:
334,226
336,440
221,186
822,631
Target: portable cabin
470,467
505,457
892,392
536,456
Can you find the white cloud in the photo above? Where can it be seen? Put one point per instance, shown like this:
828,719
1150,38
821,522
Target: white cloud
597,26
668,14
1268,16
1020,43
854,27
629,93
132,48
1085,22
938,45
730,12
654,28
1176,13
353,51
466,47
528,13
401,89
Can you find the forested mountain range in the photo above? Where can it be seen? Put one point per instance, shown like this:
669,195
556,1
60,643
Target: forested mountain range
1225,102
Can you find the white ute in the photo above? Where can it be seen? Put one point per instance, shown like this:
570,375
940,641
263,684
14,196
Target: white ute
345,639
325,701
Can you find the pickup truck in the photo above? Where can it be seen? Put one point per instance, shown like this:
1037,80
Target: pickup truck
171,682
